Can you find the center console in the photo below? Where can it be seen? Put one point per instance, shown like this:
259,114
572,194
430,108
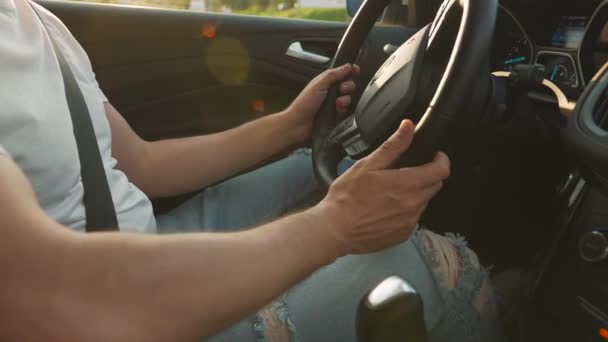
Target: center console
572,299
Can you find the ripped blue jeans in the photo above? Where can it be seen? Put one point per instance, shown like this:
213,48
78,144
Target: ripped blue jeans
459,302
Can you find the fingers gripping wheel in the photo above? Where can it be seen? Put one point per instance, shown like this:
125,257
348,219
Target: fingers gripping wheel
429,77
391,312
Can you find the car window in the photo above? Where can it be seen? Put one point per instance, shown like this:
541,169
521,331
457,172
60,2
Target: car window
329,10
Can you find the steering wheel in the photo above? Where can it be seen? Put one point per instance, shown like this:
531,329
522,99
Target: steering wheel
429,77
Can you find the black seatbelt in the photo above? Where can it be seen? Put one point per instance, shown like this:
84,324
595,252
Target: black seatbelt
97,199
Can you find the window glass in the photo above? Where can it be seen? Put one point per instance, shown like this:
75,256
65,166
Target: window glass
330,10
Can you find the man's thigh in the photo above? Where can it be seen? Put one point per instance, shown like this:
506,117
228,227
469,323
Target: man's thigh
248,200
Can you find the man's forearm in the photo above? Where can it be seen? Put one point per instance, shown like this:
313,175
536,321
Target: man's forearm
177,166
163,288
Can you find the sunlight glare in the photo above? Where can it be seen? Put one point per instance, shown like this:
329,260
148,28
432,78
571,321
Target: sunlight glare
228,60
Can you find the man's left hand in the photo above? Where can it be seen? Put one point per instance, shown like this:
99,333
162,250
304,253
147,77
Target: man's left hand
304,108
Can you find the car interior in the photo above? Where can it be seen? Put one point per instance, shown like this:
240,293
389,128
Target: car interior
514,92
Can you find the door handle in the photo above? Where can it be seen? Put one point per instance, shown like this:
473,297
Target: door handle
296,50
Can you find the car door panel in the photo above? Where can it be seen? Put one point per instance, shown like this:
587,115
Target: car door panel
160,67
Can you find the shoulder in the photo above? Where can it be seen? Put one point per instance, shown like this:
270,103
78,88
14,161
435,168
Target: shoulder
55,27
70,47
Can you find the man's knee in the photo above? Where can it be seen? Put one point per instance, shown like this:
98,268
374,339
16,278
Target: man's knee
273,324
456,268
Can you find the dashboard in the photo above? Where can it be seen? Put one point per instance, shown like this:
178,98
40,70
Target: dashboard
569,38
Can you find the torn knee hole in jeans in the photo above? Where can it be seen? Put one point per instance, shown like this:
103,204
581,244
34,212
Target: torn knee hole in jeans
273,324
456,265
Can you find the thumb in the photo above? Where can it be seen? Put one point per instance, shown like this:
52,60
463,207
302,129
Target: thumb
393,148
334,75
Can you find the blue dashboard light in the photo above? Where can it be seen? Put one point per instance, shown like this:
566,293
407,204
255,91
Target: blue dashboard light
515,60
554,73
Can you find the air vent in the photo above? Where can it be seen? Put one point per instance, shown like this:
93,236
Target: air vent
600,113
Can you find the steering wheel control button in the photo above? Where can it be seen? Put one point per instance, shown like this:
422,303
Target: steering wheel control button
593,247
356,147
344,130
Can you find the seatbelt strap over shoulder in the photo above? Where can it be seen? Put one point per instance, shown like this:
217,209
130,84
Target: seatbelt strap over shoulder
97,199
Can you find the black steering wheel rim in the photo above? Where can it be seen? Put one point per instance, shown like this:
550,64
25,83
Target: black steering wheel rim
471,47
586,132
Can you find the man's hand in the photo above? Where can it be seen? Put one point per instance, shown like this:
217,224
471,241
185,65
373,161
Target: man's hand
374,207
304,108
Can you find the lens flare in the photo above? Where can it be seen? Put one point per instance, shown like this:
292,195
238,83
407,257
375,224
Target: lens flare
208,31
259,106
228,60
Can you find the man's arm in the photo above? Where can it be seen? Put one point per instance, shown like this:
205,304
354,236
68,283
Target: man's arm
58,285
173,167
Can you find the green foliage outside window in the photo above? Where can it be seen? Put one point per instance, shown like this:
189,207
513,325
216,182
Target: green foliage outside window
178,4
272,8
327,14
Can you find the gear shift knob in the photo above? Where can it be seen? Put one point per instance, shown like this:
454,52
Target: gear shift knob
391,312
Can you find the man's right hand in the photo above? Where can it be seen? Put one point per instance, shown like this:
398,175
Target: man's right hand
373,207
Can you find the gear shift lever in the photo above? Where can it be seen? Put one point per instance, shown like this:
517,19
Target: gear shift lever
391,312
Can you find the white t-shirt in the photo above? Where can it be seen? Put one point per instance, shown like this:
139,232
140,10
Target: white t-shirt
35,123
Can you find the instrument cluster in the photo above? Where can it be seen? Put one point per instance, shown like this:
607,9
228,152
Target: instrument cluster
570,39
